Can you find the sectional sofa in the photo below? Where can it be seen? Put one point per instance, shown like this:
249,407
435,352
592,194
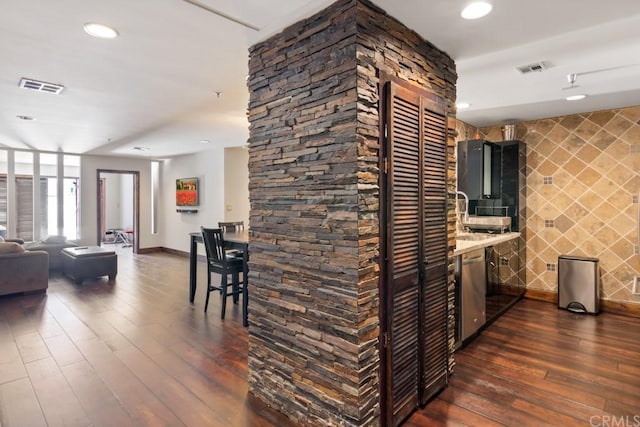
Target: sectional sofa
53,245
22,271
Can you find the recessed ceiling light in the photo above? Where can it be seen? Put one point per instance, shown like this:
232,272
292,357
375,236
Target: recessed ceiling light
476,10
27,118
204,141
462,105
100,31
575,97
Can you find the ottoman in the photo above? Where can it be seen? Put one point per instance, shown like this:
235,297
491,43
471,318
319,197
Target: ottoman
84,262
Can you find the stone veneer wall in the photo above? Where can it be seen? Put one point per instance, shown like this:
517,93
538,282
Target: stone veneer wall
582,190
313,182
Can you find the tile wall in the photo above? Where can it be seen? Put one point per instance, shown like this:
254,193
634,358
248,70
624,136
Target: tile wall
583,183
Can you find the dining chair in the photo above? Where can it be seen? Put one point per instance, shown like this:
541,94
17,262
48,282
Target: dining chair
232,226
219,262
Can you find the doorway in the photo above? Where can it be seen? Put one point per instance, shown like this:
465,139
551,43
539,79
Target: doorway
118,204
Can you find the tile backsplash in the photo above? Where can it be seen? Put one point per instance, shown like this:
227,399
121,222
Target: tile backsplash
582,177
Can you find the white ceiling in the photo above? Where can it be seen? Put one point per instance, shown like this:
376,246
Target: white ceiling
155,85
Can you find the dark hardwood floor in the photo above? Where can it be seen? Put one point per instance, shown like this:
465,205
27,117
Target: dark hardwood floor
136,353
130,353
537,365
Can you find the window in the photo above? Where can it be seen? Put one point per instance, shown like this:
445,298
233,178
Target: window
32,212
155,189
3,192
24,195
48,195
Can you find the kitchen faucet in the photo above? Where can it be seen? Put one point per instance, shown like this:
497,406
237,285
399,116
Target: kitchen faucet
465,217
466,204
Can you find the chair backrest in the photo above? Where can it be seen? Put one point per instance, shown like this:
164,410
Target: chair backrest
231,227
213,244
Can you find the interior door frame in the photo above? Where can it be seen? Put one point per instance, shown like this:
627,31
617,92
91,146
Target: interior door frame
386,400
101,206
136,205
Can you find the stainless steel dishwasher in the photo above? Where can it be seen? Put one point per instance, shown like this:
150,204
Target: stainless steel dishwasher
471,277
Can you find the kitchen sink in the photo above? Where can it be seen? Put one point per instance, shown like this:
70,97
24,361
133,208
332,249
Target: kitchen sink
475,236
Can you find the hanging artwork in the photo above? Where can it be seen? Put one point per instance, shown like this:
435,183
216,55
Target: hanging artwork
187,192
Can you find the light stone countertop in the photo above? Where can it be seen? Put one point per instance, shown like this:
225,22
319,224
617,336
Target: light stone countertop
464,246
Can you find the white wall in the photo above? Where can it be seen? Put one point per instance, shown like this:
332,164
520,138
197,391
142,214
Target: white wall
208,166
89,197
224,181
236,184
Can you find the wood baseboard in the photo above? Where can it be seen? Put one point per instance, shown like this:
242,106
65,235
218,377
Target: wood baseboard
183,254
149,250
540,295
175,252
624,308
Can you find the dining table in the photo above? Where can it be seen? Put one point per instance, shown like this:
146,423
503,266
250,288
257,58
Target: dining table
232,240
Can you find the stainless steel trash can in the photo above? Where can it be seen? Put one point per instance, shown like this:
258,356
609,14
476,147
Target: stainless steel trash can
578,284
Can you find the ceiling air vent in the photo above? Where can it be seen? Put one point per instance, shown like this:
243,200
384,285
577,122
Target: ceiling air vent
40,86
538,66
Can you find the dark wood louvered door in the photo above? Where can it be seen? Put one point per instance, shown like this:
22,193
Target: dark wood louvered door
435,295
414,250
